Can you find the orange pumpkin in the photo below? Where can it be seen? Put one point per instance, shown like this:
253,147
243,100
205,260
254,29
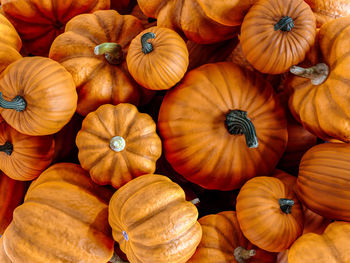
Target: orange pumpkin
157,58
64,218
152,221
146,21
94,53
40,22
38,96
221,126
276,34
117,144
3,256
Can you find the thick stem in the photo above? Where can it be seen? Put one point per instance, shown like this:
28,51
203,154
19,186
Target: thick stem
113,52
146,46
18,103
284,24
117,143
241,254
237,123
317,74
116,259
7,148
286,205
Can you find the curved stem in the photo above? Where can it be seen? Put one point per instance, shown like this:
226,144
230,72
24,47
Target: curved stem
286,205
284,24
18,103
146,46
237,123
7,148
241,254
113,52
116,259
317,74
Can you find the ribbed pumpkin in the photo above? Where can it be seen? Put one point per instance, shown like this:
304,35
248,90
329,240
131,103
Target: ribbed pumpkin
322,105
268,212
64,218
323,183
203,121
11,195
117,144
276,34
223,241
152,221
157,58
38,22
93,49
330,247
38,96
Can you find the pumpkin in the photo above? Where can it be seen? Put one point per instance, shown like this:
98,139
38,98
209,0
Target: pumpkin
4,258
330,247
37,96
117,144
64,218
10,43
223,241
321,104
157,58
221,126
152,221
147,22
323,183
11,195
269,214
276,34
40,22
94,53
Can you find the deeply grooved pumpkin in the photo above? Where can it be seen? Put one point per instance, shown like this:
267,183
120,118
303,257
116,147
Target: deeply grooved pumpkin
221,126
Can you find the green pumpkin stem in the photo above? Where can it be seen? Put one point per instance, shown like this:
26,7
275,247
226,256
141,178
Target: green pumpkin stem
286,205
7,148
284,24
317,74
18,103
146,46
238,123
116,259
241,254
113,52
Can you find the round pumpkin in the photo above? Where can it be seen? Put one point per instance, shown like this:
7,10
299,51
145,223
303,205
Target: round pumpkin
152,221
37,96
40,22
94,53
117,144
221,126
223,241
276,34
64,218
157,58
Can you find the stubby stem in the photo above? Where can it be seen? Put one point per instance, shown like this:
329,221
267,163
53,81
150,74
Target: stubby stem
117,259
286,205
195,201
284,24
7,148
241,254
237,123
18,103
113,52
317,74
117,143
146,46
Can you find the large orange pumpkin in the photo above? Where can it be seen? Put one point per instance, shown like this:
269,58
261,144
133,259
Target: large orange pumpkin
38,96
64,218
221,126
94,53
152,221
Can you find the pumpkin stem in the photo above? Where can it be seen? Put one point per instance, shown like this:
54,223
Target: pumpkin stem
241,254
195,201
286,205
116,259
146,46
117,143
317,74
18,103
237,122
113,52
6,148
284,24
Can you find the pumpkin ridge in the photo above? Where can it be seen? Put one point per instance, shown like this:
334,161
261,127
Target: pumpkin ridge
102,122
327,49
99,67
130,124
105,28
333,249
138,154
227,240
142,136
97,160
99,136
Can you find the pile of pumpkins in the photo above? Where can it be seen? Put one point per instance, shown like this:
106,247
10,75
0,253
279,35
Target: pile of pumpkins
172,131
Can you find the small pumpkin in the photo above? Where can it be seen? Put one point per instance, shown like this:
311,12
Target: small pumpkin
117,144
157,58
152,221
276,34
